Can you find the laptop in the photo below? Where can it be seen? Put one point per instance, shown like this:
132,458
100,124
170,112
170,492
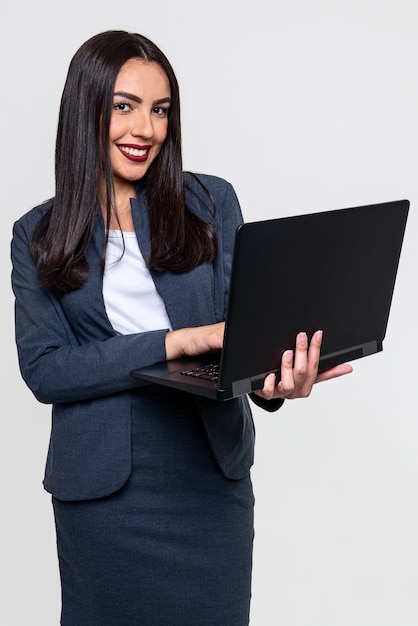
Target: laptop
333,271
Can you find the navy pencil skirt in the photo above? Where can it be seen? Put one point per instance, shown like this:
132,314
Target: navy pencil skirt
173,547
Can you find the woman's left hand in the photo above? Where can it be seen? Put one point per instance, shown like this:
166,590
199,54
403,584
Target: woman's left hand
299,371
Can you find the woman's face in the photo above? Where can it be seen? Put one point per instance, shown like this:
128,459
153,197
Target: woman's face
139,120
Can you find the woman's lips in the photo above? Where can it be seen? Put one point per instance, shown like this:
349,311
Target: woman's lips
139,154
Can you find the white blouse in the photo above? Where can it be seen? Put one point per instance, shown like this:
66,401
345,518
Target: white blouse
132,302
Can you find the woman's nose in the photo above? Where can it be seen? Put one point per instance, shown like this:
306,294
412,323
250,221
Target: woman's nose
142,126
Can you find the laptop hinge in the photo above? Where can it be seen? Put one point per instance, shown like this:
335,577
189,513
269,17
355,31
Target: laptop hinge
356,352
370,348
241,387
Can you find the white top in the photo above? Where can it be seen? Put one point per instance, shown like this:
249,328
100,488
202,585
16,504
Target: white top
132,302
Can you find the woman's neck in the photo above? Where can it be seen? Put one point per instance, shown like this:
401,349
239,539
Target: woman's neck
121,218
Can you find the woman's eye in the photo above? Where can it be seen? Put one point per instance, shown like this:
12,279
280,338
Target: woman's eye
123,107
161,111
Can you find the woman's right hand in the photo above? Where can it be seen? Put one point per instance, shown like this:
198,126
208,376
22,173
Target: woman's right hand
194,341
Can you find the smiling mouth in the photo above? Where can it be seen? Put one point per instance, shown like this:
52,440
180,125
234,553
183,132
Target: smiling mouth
134,153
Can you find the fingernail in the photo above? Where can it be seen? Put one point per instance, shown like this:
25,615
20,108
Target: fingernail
288,356
303,337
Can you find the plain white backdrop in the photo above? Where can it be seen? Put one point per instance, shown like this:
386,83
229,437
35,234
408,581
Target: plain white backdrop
303,106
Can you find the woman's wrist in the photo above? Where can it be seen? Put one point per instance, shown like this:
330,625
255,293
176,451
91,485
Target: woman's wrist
173,347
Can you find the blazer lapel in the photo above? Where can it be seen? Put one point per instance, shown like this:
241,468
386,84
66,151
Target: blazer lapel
188,296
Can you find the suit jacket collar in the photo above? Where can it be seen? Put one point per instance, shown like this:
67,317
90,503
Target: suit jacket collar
188,296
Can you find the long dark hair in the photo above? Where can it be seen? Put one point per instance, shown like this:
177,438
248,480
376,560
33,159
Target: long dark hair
180,240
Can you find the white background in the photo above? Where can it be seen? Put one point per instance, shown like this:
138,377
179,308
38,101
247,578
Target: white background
303,106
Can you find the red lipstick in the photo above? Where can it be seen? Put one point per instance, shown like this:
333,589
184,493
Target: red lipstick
135,153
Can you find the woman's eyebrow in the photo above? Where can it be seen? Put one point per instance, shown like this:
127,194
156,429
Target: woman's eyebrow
166,100
131,96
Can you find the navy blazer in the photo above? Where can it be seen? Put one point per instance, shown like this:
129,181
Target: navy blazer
71,357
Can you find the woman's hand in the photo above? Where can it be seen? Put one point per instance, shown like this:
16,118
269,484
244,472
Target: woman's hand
299,371
194,341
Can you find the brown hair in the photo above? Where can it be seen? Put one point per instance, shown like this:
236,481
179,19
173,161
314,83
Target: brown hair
180,240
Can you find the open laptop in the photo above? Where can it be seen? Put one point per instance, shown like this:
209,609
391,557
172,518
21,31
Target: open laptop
332,270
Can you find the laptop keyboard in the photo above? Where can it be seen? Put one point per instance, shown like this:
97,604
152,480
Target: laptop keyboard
206,372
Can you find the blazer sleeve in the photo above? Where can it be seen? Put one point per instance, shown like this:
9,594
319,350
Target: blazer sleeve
267,405
54,363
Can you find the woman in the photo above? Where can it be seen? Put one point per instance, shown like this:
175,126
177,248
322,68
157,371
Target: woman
128,265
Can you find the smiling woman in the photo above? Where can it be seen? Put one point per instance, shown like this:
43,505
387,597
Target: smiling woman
129,264
100,70
138,125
